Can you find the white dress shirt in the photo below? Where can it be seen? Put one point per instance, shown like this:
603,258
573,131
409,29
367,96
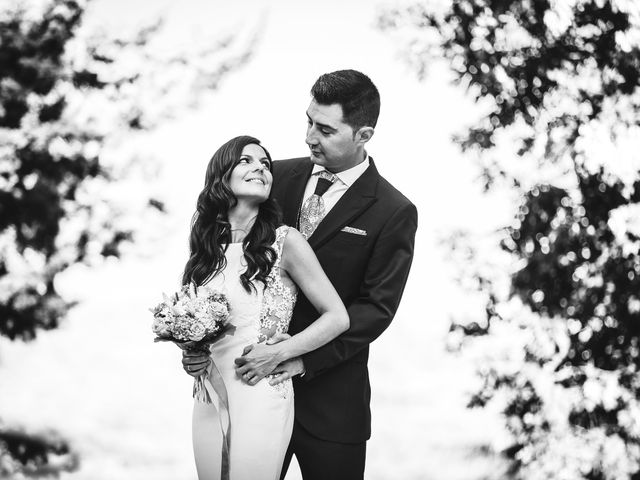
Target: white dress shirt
346,178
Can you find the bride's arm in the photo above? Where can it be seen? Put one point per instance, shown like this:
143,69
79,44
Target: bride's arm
301,264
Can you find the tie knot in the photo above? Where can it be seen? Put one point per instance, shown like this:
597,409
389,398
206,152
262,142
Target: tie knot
325,180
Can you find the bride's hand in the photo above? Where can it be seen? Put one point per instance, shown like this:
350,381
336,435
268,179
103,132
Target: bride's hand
195,363
259,360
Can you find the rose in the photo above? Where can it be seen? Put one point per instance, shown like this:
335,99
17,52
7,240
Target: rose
218,310
197,331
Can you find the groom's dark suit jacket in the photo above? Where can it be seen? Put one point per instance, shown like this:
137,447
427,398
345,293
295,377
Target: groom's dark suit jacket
369,272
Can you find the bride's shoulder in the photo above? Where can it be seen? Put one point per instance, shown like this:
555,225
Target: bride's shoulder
295,246
285,232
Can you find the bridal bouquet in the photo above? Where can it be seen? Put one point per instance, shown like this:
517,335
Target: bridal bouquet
193,318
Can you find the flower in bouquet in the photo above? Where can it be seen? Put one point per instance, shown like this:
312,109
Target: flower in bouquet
193,318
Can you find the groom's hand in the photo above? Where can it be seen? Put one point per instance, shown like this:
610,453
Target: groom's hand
195,363
259,360
287,370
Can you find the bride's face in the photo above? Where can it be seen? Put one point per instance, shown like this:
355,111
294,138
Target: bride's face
251,178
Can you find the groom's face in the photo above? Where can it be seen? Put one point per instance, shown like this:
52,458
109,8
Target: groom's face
331,141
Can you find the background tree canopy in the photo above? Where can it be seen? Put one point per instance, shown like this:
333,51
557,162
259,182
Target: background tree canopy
558,84
66,97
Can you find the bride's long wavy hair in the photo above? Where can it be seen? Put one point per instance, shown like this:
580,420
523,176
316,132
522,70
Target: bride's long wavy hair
211,230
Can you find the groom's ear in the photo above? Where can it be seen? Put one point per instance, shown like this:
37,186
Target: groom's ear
364,134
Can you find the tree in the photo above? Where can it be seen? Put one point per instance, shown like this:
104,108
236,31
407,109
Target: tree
560,84
65,97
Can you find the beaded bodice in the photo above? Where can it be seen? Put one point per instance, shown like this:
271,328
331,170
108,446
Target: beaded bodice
279,294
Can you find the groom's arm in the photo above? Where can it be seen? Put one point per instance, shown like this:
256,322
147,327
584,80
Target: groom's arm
384,281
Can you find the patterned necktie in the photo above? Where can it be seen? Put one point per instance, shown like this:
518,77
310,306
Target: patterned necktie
312,212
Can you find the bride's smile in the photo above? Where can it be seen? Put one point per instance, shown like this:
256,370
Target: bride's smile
251,177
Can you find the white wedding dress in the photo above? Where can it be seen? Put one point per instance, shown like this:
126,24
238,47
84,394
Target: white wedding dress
260,417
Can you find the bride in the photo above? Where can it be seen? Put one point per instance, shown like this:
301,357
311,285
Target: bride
238,246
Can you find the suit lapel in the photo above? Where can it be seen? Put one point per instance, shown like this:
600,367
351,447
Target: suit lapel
354,201
296,183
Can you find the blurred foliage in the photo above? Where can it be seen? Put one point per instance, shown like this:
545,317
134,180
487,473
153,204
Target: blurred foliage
43,455
558,86
65,98
546,69
35,182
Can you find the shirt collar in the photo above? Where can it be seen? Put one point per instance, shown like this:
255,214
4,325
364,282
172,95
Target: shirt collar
349,176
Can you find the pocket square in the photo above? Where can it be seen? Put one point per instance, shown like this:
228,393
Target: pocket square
355,231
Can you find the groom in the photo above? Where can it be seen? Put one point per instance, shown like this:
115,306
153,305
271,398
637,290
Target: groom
363,235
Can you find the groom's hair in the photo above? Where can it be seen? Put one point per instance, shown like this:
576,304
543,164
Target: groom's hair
354,92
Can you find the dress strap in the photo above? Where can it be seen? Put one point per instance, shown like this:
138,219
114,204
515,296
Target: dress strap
278,245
